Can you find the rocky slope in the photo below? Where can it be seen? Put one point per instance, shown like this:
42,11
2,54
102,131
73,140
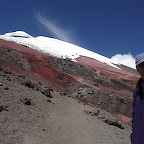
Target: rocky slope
45,99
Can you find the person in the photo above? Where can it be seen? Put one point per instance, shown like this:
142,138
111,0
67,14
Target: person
137,135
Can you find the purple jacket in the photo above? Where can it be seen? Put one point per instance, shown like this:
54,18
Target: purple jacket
137,135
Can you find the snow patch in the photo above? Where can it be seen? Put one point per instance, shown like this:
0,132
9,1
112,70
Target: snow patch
55,47
18,34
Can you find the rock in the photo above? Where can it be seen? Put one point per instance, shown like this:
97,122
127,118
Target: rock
47,93
26,101
3,108
6,88
114,123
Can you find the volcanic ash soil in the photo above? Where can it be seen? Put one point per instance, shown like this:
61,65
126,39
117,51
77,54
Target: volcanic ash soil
33,113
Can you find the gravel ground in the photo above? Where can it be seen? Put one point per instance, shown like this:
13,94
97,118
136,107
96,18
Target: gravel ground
29,117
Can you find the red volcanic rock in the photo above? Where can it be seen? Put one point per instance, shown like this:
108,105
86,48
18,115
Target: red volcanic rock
109,71
112,88
40,69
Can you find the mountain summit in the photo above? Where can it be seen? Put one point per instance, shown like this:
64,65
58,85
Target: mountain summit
54,47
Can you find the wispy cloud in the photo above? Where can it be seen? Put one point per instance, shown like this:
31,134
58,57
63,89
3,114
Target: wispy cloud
125,59
54,28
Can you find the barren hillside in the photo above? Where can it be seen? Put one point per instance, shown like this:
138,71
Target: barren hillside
49,100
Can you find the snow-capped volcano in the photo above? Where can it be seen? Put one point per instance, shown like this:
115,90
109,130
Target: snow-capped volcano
54,47
45,81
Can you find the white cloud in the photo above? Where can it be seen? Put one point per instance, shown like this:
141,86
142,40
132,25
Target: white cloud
125,59
54,28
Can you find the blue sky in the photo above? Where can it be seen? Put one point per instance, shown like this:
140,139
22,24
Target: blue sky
107,27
